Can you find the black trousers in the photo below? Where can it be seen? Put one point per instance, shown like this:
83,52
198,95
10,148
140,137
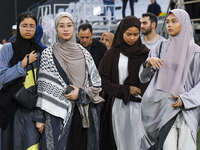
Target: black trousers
77,139
7,136
131,2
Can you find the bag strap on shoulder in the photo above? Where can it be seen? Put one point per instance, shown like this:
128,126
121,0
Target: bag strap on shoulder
160,49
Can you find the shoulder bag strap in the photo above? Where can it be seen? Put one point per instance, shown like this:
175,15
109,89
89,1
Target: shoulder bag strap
160,49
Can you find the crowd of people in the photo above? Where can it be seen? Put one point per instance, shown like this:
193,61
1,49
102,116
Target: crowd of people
124,92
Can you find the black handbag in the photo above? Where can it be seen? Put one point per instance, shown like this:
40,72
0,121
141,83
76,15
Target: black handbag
25,98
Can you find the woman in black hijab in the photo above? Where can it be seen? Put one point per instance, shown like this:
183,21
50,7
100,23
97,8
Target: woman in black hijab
18,129
122,89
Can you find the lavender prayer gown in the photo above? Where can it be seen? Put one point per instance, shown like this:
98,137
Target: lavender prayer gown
156,109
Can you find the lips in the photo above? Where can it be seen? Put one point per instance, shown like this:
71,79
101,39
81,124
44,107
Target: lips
131,42
66,34
170,30
28,34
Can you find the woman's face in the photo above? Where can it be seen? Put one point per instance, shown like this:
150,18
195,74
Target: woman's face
173,25
65,28
131,35
105,40
27,28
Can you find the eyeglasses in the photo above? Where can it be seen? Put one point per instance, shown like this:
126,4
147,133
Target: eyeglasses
25,27
62,27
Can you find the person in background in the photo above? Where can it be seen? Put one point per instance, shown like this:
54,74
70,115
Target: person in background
107,39
18,128
39,34
0,47
14,32
108,2
95,47
148,28
154,8
170,105
4,41
131,2
122,90
67,111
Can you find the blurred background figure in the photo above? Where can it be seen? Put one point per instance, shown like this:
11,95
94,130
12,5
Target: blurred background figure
108,2
4,41
107,39
14,32
94,46
131,2
39,34
154,8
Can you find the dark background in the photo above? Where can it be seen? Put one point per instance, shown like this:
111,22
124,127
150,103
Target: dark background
7,15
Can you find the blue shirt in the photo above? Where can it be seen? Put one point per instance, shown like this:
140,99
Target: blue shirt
8,73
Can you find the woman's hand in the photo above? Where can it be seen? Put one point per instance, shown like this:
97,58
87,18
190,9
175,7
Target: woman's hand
178,103
32,58
134,90
74,94
40,126
155,62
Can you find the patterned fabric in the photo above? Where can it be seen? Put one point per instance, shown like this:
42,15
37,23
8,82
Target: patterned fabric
51,86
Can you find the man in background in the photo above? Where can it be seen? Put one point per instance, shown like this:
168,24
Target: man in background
14,32
148,28
95,47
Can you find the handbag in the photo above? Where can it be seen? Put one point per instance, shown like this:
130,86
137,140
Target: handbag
24,97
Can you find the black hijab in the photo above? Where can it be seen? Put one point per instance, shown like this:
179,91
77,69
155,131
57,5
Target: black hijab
21,46
132,51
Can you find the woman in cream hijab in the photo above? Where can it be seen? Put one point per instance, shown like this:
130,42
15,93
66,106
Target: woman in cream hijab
107,38
67,120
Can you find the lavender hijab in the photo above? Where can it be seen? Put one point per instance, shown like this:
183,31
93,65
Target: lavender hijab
69,55
177,60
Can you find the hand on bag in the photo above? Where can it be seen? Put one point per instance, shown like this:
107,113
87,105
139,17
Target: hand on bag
134,90
32,58
155,62
178,102
74,94
40,126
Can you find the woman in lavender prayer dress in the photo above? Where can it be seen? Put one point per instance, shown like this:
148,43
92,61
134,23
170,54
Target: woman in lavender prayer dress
171,104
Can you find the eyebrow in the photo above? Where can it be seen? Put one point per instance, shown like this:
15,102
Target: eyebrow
132,33
67,23
173,19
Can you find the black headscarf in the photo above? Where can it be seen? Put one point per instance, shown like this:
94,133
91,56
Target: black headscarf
132,51
21,46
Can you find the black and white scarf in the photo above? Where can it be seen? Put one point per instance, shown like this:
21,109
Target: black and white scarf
51,87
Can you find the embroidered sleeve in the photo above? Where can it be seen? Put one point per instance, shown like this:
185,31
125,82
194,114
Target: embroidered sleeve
83,98
39,115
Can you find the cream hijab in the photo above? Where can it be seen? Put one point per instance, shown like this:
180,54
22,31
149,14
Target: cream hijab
110,37
69,55
178,57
